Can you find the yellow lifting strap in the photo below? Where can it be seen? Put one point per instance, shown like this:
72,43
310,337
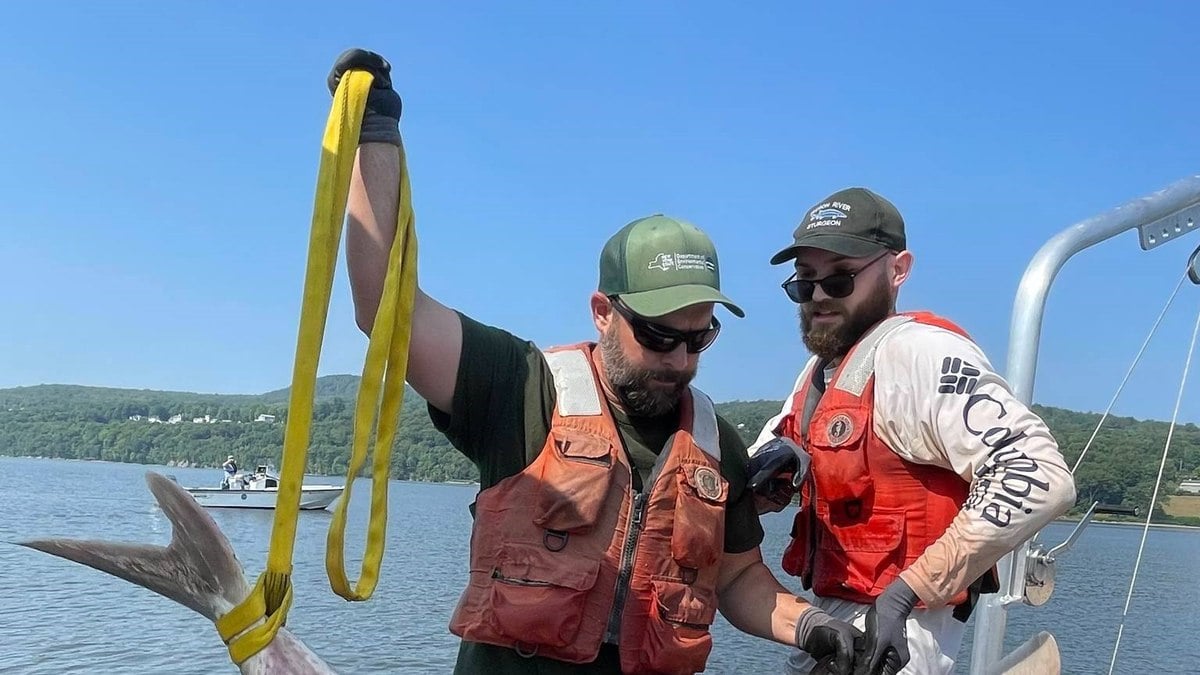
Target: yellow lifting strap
252,625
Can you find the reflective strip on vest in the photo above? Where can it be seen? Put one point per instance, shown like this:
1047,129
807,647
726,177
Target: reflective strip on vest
858,370
578,395
704,425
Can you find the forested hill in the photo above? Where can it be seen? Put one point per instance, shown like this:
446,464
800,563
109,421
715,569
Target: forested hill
163,427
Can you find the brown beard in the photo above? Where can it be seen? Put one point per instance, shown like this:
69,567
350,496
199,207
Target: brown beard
630,383
832,342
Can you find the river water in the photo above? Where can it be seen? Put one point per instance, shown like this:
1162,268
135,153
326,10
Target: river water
59,617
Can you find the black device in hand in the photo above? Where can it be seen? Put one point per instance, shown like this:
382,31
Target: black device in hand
778,458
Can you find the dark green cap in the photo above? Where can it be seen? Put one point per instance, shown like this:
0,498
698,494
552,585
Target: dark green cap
854,222
659,265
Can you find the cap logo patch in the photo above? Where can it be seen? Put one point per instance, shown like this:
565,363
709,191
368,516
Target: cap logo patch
681,261
829,214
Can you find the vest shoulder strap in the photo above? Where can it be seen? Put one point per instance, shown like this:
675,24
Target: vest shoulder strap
574,383
860,364
704,424
579,395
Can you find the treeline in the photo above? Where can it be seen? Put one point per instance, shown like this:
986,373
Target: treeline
74,422
1122,463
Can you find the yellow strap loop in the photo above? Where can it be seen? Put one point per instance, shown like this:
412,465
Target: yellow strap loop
253,624
386,367
244,630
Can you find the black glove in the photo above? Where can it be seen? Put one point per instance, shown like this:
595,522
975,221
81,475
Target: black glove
776,470
823,636
886,650
381,121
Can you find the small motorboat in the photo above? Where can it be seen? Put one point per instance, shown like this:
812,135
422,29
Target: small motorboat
258,489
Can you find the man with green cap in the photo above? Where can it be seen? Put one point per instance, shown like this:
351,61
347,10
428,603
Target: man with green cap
613,518
918,469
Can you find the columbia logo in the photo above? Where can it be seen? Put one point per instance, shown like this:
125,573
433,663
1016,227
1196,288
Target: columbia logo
958,376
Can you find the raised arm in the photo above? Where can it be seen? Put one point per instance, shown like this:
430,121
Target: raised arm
436,344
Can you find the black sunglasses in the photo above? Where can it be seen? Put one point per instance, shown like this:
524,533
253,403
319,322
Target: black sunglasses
837,285
659,338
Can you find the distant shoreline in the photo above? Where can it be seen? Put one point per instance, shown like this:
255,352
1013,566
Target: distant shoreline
1125,523
199,467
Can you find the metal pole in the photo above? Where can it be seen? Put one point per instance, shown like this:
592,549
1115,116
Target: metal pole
1162,217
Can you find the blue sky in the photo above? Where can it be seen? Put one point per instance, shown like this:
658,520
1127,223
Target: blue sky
160,159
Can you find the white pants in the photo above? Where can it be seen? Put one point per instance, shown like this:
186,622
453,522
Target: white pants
934,637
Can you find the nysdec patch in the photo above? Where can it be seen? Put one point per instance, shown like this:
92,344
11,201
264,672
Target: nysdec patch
708,483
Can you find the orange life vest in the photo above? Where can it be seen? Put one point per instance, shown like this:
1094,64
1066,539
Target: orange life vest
866,514
565,556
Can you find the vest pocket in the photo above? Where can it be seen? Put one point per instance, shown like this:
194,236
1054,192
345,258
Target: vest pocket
575,479
698,532
865,555
837,440
677,639
538,597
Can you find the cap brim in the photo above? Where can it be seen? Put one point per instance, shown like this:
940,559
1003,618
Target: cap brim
662,301
851,247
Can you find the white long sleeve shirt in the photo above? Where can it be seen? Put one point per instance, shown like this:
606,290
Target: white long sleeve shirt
938,401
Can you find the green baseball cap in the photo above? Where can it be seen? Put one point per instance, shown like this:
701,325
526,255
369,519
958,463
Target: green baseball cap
659,264
854,222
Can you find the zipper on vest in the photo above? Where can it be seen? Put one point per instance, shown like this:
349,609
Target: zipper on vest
637,514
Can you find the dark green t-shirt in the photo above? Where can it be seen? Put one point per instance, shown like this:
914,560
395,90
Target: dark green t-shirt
503,403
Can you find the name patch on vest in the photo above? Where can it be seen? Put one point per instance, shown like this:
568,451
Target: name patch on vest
840,429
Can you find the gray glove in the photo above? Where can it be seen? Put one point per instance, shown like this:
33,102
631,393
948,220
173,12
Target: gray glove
886,649
776,470
381,121
828,640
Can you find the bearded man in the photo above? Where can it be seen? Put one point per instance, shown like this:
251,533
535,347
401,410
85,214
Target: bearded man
612,520
917,467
